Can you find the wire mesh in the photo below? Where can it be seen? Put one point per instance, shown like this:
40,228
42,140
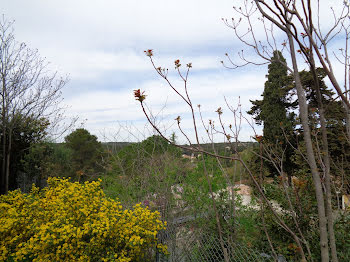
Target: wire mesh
189,244
196,247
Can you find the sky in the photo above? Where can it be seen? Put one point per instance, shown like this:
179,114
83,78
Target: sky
100,45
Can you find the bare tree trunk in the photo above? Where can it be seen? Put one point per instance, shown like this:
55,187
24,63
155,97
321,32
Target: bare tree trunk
8,157
303,113
328,190
3,167
3,114
326,160
347,121
347,84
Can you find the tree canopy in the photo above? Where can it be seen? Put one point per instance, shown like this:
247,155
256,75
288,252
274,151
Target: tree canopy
86,153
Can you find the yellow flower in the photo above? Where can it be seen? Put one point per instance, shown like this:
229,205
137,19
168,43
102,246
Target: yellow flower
74,222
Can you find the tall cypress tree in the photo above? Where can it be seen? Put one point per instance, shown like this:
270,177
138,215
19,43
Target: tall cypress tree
273,111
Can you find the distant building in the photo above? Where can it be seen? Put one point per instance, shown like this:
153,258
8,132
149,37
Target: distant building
345,202
191,157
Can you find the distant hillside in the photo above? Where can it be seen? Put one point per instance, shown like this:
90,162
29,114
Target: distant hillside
115,146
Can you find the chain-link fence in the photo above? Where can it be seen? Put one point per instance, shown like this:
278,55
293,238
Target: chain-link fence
187,243
196,247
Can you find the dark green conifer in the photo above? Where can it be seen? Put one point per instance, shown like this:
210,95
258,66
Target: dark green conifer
273,110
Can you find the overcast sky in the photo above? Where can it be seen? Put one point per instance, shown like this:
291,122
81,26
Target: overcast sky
100,45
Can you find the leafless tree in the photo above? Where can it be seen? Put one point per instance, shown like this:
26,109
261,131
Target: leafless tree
28,91
229,133
300,23
305,41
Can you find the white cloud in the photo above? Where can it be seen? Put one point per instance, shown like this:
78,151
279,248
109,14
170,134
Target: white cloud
94,64
104,109
101,42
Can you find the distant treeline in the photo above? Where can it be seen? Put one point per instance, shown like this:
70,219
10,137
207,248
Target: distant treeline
219,147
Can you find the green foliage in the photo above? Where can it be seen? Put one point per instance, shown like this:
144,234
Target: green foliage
271,111
304,208
342,229
338,144
196,187
275,112
78,158
153,146
26,133
86,153
36,162
74,222
151,166
46,159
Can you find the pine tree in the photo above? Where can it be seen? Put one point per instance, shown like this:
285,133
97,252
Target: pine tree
338,144
86,153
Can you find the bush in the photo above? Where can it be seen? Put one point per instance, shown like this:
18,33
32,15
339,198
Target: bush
74,222
342,229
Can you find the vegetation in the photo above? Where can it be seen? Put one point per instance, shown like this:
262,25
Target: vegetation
295,148
30,96
274,111
74,222
86,153
294,173
152,166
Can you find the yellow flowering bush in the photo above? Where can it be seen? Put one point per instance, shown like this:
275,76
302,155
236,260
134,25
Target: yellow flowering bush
74,222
